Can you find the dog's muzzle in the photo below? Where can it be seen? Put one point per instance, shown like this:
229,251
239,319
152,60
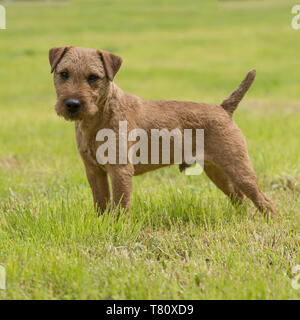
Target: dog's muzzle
72,105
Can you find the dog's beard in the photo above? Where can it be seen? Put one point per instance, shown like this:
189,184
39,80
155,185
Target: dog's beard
86,111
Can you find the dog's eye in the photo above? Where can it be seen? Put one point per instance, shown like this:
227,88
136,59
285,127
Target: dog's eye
92,78
64,75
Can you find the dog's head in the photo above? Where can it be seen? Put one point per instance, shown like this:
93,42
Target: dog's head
81,78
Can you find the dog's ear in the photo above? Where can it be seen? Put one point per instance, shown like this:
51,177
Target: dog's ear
56,54
111,62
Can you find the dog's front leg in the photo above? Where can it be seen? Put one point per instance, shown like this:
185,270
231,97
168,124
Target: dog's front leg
98,181
121,180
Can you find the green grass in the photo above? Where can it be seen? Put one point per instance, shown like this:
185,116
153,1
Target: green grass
184,240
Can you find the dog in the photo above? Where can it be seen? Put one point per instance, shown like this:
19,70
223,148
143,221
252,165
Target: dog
87,95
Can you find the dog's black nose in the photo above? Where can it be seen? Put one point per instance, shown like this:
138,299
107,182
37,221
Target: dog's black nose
72,105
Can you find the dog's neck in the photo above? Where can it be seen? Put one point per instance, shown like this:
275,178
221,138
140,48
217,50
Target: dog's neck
90,126
106,95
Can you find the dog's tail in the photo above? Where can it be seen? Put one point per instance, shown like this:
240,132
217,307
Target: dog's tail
231,103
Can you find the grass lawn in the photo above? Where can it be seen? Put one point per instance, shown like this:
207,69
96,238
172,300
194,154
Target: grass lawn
184,240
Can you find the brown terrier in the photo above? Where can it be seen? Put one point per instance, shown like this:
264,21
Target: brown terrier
88,96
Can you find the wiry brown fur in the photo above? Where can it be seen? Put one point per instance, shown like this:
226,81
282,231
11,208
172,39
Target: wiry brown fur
104,104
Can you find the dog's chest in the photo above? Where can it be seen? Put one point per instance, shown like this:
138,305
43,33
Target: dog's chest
86,144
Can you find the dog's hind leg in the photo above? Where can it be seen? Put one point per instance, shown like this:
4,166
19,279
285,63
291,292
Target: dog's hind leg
222,181
235,162
244,178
